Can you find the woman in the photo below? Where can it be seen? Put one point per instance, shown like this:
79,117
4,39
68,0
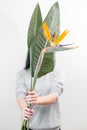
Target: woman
45,114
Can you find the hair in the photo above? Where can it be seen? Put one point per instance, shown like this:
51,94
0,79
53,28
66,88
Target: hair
27,63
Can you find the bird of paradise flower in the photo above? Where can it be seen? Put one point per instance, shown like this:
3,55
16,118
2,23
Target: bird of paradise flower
53,39
54,45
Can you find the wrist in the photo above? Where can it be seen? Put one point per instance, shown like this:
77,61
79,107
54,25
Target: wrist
47,99
39,100
42,100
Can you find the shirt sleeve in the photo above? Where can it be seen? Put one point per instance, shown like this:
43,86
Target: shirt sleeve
57,84
20,85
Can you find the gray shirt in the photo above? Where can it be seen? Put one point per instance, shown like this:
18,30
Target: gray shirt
48,116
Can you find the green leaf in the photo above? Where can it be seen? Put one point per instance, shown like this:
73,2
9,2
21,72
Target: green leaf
39,42
35,22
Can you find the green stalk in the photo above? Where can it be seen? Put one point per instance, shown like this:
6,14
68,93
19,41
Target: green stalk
30,106
40,60
25,125
22,125
35,74
31,65
34,82
28,125
38,66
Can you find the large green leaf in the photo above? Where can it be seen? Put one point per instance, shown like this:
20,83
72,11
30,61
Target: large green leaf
39,42
35,22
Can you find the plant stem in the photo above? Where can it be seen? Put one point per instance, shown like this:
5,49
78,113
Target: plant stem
28,125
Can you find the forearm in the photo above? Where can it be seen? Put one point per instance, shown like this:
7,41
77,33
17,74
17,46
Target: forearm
34,99
21,103
48,99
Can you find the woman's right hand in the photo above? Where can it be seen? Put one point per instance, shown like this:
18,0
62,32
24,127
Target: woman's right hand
27,113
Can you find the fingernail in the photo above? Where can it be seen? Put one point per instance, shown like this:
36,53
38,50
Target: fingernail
31,115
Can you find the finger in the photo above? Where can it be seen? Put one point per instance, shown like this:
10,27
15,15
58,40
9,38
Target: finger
30,110
34,102
29,98
31,102
28,91
33,99
32,93
25,118
27,115
34,96
25,112
27,109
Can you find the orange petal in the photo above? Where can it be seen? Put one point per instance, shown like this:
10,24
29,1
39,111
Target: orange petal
47,33
54,40
61,37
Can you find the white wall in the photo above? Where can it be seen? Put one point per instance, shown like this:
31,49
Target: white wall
14,19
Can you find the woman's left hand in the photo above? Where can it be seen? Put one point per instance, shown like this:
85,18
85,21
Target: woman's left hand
32,98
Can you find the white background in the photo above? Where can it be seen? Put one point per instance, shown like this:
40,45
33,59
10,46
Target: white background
14,20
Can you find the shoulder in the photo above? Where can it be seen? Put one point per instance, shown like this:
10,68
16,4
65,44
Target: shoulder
22,72
58,70
58,73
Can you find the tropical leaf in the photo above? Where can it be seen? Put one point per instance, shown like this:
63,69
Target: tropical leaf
40,42
35,22
48,50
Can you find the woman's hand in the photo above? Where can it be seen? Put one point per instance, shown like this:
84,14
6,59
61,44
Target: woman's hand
32,98
27,113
